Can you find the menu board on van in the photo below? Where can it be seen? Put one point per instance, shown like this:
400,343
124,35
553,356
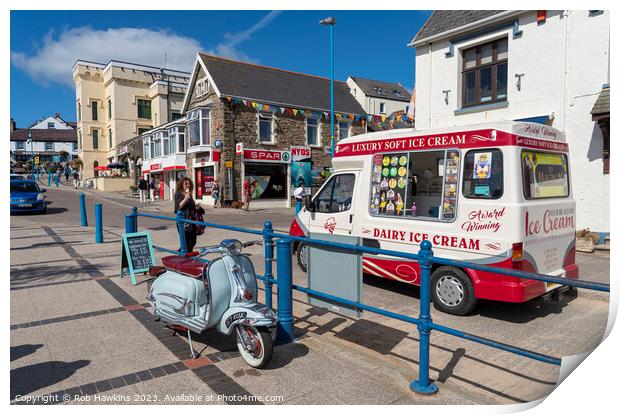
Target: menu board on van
389,184
451,178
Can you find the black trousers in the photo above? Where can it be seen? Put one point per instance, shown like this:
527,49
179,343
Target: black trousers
190,240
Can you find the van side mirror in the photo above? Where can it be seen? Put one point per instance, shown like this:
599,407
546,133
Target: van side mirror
310,204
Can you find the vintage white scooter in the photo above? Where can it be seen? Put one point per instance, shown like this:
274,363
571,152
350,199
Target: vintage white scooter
222,293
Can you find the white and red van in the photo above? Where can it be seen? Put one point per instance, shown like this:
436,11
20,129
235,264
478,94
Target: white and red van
497,194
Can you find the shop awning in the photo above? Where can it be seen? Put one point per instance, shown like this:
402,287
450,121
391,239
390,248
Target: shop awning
601,106
541,119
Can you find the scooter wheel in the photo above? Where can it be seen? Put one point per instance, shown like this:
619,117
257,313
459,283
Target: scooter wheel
261,346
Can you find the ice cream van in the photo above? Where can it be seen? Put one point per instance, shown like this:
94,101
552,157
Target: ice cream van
497,194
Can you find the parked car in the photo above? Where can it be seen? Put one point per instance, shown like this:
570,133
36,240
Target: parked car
17,177
27,196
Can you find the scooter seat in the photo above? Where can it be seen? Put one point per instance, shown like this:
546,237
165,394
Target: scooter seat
189,266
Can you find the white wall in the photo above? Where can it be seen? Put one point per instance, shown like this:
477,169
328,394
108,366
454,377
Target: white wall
39,146
571,42
58,124
371,104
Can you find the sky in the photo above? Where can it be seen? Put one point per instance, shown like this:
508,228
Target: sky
45,45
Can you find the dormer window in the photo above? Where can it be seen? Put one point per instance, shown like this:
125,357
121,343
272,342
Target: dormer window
202,87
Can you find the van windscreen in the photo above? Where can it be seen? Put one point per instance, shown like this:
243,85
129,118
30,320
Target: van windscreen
544,174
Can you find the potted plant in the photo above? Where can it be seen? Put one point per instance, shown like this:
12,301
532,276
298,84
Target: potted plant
585,240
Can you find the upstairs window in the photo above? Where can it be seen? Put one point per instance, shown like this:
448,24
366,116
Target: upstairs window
156,145
95,114
199,127
265,127
166,142
146,148
343,130
382,108
19,145
51,125
485,73
109,138
144,109
95,139
79,111
49,146
109,109
312,131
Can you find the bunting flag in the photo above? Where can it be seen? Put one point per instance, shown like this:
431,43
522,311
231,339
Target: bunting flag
351,117
266,107
294,111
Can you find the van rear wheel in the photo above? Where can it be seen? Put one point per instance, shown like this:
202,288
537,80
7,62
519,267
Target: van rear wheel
452,291
302,256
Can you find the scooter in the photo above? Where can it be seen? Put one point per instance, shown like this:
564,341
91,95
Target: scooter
222,293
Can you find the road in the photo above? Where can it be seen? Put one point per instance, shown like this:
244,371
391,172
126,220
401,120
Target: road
479,373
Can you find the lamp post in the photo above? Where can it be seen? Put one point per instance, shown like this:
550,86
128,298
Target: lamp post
330,21
31,150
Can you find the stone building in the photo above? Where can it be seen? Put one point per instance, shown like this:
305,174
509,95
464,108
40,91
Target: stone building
267,125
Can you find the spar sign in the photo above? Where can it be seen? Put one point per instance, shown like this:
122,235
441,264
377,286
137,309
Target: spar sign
266,156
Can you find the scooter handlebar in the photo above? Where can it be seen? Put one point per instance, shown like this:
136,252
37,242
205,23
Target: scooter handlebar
250,243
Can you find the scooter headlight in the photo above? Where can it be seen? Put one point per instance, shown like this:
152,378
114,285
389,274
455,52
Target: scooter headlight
233,246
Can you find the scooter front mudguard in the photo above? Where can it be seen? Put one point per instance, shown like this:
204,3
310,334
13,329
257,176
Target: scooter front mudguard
257,315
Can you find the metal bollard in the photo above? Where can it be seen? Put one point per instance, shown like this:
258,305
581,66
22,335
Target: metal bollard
423,385
181,230
83,209
134,214
268,244
98,223
286,330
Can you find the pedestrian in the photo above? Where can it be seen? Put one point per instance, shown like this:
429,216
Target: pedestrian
76,177
184,202
246,193
67,173
299,195
152,189
216,193
142,187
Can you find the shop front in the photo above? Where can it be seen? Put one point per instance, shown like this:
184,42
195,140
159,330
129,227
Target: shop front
205,174
165,172
268,174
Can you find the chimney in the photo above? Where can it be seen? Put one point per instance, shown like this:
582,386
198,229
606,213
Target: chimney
12,125
57,115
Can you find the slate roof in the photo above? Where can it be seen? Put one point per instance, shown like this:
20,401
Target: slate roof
601,106
443,20
278,86
21,134
373,88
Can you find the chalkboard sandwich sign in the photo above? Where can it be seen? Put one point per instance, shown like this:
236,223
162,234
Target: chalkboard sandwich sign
136,254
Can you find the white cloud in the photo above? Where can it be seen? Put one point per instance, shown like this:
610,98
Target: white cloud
228,48
52,63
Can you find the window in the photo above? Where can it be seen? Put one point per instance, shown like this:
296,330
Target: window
79,139
265,127
181,139
267,181
485,73
337,195
398,94
156,145
166,141
109,138
175,116
202,87
544,174
382,108
75,146
95,139
379,91
199,127
483,175
312,131
415,185
79,111
109,109
49,146
51,125
144,109
146,148
143,130
343,130
19,145
93,106
176,136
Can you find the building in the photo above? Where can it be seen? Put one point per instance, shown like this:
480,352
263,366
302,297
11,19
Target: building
164,157
119,100
547,66
379,97
267,125
53,140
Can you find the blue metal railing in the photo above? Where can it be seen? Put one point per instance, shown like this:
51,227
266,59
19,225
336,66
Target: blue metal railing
424,258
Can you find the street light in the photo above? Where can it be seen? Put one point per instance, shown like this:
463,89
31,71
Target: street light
31,149
330,21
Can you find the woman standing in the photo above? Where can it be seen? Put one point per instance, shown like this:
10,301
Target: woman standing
216,193
183,201
246,193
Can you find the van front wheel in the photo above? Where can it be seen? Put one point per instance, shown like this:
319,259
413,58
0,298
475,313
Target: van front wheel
452,291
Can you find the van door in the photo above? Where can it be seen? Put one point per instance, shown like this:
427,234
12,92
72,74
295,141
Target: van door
334,205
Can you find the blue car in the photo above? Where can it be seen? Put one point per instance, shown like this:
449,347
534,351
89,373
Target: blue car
27,196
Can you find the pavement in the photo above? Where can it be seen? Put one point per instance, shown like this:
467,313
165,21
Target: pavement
82,334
